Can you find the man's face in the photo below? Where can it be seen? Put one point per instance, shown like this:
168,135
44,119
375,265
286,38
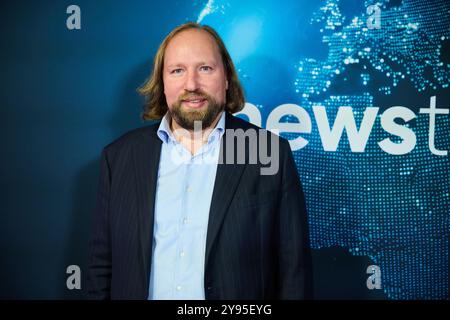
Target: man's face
194,78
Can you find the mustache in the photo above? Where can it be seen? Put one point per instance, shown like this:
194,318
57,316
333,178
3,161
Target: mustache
194,94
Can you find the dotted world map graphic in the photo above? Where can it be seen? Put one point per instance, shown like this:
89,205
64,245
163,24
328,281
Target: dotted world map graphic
393,209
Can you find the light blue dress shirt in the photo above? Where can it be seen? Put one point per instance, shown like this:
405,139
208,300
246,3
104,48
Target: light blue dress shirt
183,198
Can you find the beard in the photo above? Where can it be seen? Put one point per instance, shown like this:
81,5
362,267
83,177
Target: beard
186,118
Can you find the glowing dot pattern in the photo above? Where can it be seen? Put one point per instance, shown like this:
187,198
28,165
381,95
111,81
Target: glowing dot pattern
393,209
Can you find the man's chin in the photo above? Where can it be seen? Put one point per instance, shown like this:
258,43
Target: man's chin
186,115
193,114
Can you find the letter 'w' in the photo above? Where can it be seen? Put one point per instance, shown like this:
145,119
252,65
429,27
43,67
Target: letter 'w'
345,119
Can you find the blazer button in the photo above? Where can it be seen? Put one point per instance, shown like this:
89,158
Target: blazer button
209,288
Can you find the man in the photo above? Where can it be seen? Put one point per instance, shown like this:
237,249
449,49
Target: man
171,225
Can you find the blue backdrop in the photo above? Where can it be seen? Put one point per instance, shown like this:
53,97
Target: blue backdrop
66,93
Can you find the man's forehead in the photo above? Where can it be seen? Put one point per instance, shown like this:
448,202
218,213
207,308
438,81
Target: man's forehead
192,40
191,34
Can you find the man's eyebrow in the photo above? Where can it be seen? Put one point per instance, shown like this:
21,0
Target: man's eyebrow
209,63
175,65
201,63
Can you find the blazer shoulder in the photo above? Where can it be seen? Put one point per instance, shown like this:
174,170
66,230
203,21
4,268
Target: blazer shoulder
238,123
130,138
234,122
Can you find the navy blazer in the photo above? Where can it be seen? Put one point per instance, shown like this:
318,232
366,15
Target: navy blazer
257,243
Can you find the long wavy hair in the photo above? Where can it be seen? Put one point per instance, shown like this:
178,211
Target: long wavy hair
153,89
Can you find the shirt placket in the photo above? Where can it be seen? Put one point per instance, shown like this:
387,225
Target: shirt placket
179,285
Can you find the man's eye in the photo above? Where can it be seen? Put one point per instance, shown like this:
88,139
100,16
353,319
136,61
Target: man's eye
205,68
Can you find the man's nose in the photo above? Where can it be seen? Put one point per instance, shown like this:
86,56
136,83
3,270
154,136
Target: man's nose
192,82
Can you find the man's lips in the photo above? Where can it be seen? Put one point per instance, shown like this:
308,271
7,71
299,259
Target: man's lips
194,102
194,99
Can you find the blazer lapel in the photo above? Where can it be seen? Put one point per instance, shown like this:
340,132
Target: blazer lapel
227,180
146,155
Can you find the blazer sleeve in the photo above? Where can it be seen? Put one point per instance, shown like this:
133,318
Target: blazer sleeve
295,269
99,273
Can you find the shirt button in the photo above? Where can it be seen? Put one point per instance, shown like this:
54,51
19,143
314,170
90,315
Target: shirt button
178,288
188,189
185,221
182,254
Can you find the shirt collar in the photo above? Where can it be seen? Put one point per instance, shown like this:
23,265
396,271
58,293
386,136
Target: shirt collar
165,133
